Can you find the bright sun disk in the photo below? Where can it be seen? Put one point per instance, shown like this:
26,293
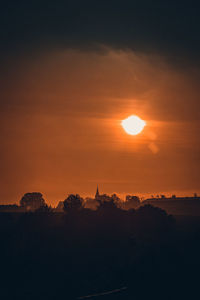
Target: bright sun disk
133,125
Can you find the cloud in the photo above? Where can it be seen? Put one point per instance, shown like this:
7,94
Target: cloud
166,28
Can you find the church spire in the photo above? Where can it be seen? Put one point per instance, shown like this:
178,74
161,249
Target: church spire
97,192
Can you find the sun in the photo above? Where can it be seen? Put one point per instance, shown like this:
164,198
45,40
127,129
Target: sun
133,125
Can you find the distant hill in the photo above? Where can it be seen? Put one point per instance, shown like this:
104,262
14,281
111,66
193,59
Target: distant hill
177,205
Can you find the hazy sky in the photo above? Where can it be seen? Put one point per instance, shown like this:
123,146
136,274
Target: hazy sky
71,72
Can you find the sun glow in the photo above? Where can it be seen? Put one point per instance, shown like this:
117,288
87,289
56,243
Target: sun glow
133,125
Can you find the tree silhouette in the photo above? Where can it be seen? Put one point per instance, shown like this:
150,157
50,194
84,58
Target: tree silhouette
44,209
116,199
131,201
32,201
107,205
151,220
73,203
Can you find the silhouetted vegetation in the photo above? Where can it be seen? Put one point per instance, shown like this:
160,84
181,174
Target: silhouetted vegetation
73,203
83,251
32,201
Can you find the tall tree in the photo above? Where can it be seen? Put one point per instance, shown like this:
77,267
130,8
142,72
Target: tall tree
73,203
32,201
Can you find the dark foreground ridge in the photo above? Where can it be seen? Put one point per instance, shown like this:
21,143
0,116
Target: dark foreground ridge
107,253
104,293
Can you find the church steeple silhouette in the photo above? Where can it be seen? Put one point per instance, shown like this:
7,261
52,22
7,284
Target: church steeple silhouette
97,192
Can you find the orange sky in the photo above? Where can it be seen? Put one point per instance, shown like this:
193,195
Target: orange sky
61,129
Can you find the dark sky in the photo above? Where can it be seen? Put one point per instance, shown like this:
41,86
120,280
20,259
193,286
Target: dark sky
72,70
170,28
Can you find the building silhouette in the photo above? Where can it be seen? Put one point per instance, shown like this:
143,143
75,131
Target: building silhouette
97,193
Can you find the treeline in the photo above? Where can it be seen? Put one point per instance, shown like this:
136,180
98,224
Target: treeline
35,201
48,255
